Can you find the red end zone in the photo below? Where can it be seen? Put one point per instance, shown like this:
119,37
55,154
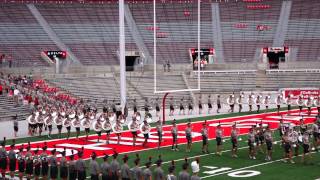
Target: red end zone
243,123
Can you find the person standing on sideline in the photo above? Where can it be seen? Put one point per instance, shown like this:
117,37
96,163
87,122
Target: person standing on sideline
234,141
115,167
81,166
125,170
159,132
184,173
72,167
158,171
188,132
219,136
106,168
94,167
171,170
174,133
12,161
147,173
204,132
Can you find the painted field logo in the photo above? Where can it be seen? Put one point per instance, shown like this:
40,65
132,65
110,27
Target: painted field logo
215,171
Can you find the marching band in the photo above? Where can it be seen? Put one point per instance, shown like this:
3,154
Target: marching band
61,115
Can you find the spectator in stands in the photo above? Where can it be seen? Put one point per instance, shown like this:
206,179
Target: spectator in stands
164,67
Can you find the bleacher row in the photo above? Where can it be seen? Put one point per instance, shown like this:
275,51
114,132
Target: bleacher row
91,31
138,87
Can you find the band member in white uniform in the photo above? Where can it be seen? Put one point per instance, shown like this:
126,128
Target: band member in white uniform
41,120
234,141
58,122
268,136
309,103
250,101
188,132
316,135
219,136
317,104
134,127
300,103
76,123
240,101
145,129
117,130
289,103
258,102
85,123
266,102
293,137
231,102
67,124
278,102
106,125
32,123
97,126
48,122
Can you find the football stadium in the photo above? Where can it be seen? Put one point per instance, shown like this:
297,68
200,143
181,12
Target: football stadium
159,89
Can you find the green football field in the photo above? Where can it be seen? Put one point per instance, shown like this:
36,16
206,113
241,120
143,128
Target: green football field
226,167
